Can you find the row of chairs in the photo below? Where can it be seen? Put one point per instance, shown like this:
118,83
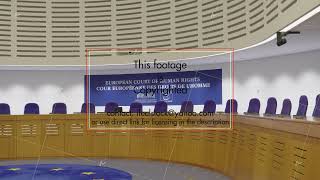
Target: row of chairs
186,106
135,107
159,107
254,107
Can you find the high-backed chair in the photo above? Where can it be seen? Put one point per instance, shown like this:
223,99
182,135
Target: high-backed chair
303,106
160,107
59,108
31,108
110,107
316,111
92,108
186,106
286,108
231,106
254,106
4,108
135,107
271,106
209,107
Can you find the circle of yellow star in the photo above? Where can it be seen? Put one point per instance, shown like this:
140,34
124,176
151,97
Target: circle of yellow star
14,169
88,173
56,169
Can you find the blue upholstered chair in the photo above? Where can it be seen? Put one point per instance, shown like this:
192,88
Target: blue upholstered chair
271,106
316,111
186,106
303,106
286,108
4,108
209,107
110,107
92,108
59,108
31,108
254,106
234,104
160,107
135,107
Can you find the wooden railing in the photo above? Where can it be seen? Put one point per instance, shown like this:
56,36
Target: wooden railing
258,148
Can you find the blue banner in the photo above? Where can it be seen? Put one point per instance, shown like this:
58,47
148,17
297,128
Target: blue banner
148,88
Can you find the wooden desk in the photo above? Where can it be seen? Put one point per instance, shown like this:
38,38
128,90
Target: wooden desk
258,148
278,148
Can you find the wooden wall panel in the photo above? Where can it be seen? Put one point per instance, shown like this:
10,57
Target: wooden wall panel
28,137
8,137
248,152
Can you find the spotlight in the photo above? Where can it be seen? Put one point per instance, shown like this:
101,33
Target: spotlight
281,40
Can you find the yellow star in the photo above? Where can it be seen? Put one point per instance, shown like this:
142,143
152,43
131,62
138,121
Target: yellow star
14,169
56,169
88,173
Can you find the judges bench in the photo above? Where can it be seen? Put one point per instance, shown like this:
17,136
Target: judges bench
259,148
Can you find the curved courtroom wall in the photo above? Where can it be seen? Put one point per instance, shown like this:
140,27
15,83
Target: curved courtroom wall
258,148
254,78
58,32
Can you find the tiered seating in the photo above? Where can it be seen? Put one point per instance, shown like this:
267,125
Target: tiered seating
59,108
186,106
231,106
209,107
110,107
160,107
4,108
92,108
254,106
316,111
135,107
286,108
303,106
31,108
271,108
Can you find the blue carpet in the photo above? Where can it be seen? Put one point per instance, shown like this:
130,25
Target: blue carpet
61,172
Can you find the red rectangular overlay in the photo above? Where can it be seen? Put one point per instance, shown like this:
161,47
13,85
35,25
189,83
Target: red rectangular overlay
229,51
